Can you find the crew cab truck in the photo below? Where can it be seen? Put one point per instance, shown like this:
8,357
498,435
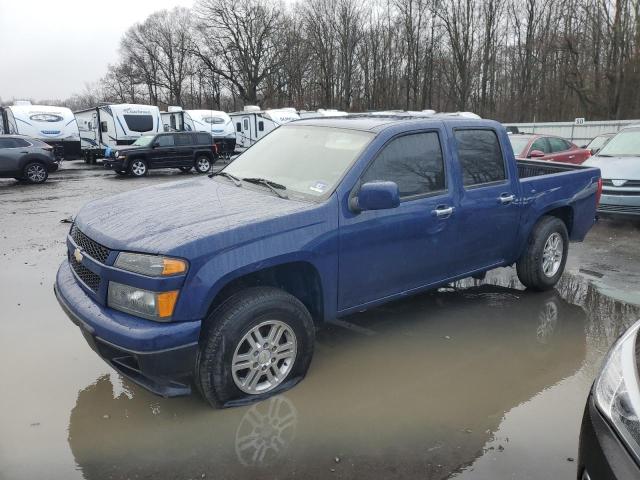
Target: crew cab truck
322,218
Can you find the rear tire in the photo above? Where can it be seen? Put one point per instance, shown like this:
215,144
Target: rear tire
545,255
267,334
138,168
35,172
202,164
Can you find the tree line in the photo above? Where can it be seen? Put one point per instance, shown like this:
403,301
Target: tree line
513,60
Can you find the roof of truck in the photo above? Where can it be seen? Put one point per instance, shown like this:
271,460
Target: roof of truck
377,123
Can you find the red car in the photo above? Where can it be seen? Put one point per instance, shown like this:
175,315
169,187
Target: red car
547,147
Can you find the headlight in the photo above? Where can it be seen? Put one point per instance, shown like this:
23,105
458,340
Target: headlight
143,303
116,155
151,265
617,391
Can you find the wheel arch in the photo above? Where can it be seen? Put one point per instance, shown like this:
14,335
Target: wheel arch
299,278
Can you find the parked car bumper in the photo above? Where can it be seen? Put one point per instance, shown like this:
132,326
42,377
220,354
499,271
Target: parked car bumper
114,164
602,454
165,367
628,204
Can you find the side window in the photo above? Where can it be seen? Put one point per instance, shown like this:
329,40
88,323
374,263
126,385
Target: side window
540,144
413,161
558,145
7,143
238,127
246,124
20,142
480,156
183,140
103,127
165,141
261,126
204,139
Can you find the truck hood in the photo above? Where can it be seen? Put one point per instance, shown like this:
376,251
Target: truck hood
616,168
163,218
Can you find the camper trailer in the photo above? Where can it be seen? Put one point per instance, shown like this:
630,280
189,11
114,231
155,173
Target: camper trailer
53,125
252,123
214,122
322,112
108,126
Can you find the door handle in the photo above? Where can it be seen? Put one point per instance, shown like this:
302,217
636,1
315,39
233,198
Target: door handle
505,198
442,211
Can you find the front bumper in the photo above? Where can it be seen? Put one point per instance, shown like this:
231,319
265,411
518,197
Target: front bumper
158,356
623,204
114,164
602,454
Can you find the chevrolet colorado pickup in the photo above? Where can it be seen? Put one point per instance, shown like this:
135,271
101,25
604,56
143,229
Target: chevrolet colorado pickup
320,219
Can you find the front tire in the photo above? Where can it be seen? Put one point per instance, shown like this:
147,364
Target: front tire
35,172
203,164
256,344
138,168
542,262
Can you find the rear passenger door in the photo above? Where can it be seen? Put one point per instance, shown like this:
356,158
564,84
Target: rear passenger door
184,149
561,151
9,155
489,213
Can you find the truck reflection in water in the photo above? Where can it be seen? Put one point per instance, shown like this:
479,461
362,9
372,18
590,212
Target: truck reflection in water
415,388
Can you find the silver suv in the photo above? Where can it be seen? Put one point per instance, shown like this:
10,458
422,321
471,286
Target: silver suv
26,159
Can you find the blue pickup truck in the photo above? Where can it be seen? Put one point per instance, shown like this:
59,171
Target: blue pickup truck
220,283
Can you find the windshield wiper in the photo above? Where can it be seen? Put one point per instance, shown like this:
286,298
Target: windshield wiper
233,178
601,155
273,186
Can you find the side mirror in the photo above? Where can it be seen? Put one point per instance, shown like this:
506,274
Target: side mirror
593,151
536,154
155,144
376,196
584,146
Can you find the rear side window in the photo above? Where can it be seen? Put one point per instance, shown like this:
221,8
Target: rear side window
183,140
21,142
558,145
139,123
204,139
540,144
413,161
480,156
165,140
7,143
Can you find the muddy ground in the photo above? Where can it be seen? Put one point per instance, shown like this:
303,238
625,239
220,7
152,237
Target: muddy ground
478,381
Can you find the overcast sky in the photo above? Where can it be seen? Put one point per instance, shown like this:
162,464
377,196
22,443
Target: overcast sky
51,49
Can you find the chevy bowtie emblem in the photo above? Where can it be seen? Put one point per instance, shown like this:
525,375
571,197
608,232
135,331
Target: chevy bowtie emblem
77,254
618,183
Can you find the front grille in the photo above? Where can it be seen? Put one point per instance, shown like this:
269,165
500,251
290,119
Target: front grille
90,279
608,191
90,247
629,183
628,209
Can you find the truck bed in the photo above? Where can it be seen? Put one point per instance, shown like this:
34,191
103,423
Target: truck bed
537,168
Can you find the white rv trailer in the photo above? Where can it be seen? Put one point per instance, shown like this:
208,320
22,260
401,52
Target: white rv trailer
214,122
109,126
53,125
252,123
322,112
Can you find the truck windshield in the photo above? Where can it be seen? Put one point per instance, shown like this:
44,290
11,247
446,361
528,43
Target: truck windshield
143,141
518,144
304,159
625,143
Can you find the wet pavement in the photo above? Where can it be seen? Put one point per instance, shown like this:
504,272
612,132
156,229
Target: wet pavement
480,380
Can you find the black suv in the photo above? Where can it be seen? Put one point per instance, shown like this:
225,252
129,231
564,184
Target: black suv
183,150
25,158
